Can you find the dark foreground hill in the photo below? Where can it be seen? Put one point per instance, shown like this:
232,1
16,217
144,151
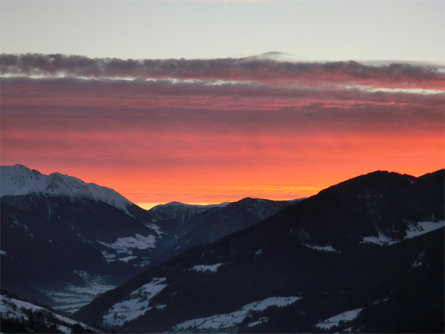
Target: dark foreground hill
19,316
366,255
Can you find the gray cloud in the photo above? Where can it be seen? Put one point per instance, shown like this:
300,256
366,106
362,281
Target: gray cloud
238,69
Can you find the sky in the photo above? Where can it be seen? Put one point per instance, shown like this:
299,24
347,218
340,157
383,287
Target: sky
213,101
306,30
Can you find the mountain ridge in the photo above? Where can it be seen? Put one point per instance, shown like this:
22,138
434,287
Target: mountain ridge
62,244
304,251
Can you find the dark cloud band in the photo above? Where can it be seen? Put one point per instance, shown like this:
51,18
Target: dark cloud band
236,69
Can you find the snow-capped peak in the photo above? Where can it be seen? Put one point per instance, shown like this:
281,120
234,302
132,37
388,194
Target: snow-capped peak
20,180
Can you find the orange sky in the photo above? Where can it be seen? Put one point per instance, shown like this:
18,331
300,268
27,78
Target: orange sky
207,141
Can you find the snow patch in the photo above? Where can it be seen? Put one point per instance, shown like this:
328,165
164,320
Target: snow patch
327,248
258,322
64,329
414,230
229,320
207,267
416,264
422,228
12,308
15,308
127,258
136,304
381,240
124,245
384,300
109,257
144,262
155,228
336,319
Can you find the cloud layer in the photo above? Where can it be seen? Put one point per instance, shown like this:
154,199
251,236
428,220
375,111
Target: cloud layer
219,129
228,69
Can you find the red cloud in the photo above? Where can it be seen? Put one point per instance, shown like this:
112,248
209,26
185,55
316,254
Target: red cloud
163,139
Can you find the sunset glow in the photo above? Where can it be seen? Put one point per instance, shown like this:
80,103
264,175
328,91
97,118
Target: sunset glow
224,166
219,130
212,101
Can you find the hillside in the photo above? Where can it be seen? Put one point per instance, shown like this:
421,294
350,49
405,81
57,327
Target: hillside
373,243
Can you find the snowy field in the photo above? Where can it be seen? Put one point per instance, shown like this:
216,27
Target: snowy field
230,320
422,228
122,248
327,248
206,267
136,304
336,319
18,309
381,240
414,230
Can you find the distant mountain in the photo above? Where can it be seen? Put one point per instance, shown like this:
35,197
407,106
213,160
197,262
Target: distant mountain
185,226
178,212
65,241
365,255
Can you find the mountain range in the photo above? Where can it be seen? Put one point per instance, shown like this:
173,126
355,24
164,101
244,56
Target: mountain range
365,255
64,241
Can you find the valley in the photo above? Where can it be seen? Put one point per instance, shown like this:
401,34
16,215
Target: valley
331,262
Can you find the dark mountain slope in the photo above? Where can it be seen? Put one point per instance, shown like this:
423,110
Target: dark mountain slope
54,242
315,250
64,241
202,226
416,304
406,295
41,231
384,202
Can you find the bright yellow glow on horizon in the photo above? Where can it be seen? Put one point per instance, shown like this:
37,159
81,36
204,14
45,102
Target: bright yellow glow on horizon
149,205
270,193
